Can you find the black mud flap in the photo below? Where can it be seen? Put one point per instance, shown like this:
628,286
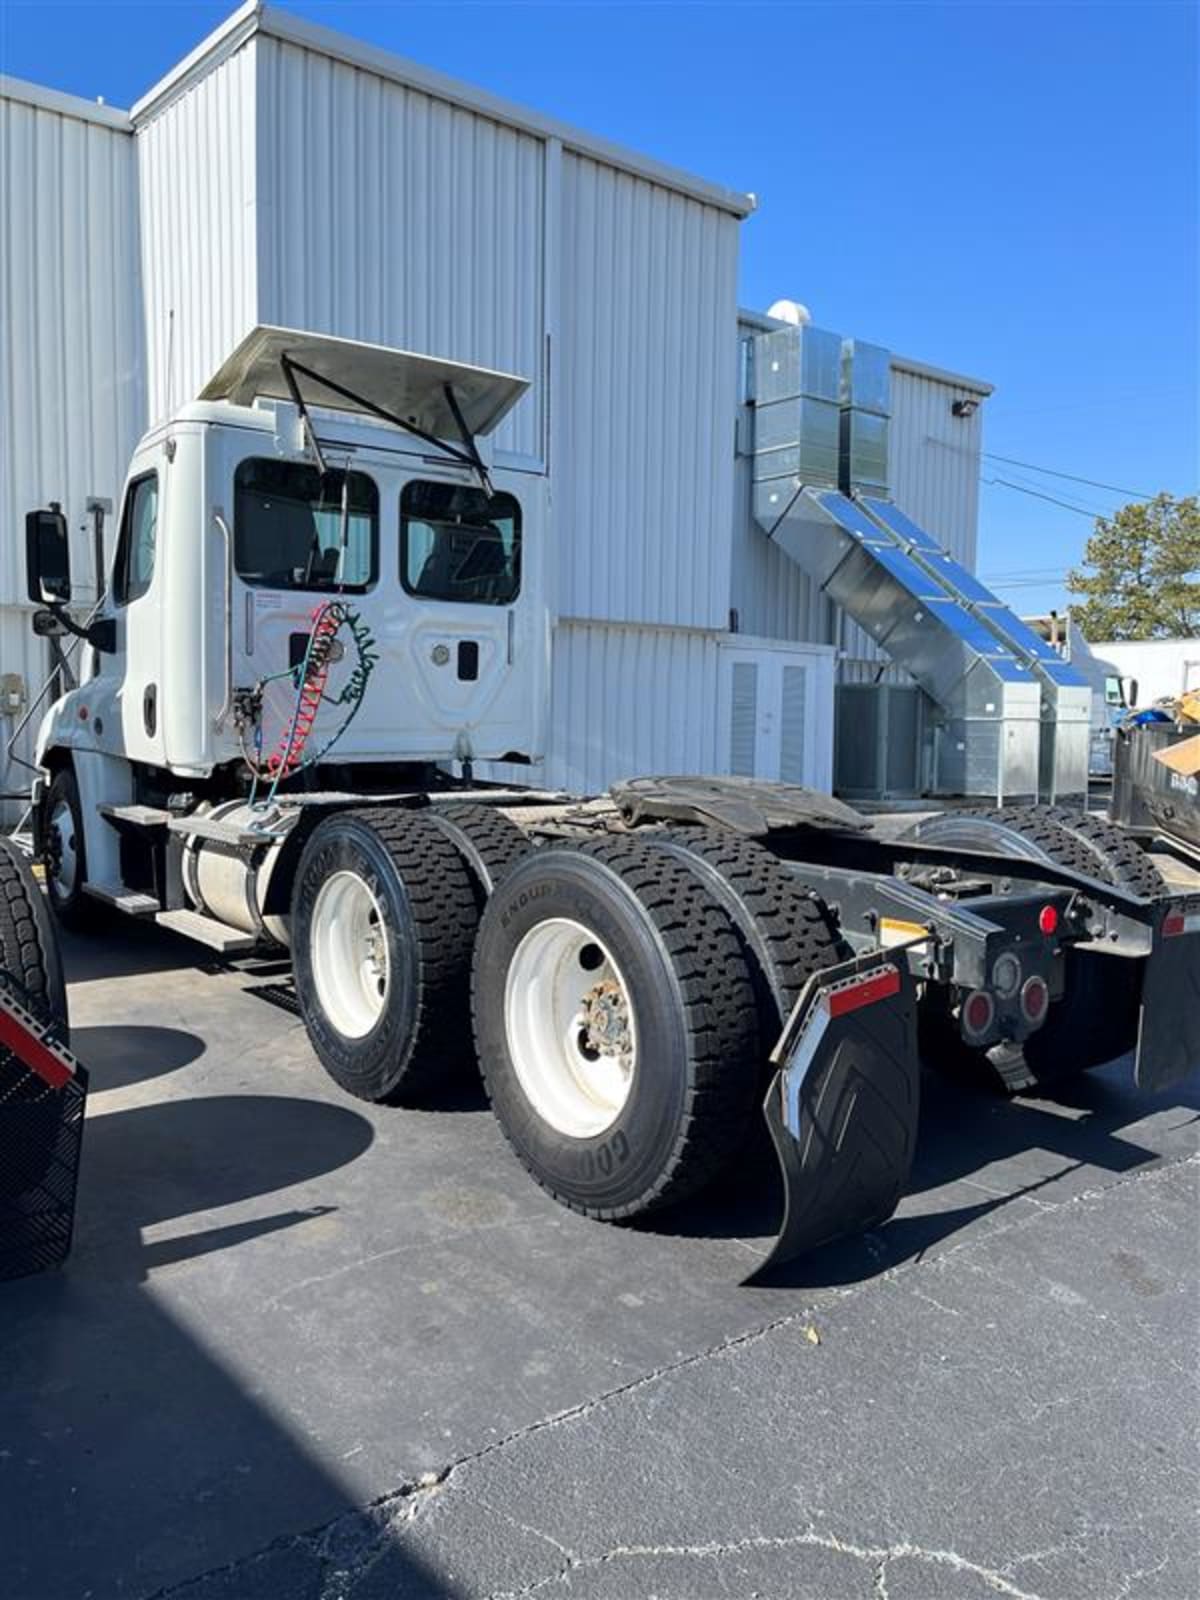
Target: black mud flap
1168,1047
843,1107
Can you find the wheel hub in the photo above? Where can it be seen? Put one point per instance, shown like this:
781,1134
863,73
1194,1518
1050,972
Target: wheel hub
571,1029
61,851
349,954
605,1020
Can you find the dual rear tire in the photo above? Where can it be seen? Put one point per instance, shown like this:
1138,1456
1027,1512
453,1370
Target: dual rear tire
625,991
384,912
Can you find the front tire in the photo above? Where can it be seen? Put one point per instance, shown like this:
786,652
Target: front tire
615,1024
383,919
65,854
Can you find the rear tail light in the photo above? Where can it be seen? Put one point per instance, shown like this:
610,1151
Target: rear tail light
1048,920
1179,921
1035,999
977,1015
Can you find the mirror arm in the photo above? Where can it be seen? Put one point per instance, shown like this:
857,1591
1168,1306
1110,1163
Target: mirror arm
101,633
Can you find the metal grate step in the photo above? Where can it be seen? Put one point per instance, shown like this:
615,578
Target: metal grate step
131,901
206,930
140,816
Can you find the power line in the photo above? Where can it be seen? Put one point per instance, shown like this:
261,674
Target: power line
1006,483
1073,477
1025,575
1053,472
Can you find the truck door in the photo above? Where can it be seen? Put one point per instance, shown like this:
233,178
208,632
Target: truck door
136,606
470,653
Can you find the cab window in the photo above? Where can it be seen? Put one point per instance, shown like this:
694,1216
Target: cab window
457,542
137,540
287,531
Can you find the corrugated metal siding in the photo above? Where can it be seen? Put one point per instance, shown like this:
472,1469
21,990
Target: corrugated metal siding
72,401
643,440
197,177
773,597
935,460
626,702
394,217
21,652
72,396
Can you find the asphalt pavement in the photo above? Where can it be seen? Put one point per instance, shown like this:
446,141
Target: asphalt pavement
308,1349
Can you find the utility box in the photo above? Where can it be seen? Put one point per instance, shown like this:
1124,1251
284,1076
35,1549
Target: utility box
773,718
880,741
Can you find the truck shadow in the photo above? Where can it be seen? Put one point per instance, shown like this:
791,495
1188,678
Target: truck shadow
119,1422
119,1055
977,1153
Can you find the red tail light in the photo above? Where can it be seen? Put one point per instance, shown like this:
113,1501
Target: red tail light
1048,920
1035,999
978,1014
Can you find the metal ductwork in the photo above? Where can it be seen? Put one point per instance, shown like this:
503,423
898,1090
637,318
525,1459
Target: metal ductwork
1066,697
1005,721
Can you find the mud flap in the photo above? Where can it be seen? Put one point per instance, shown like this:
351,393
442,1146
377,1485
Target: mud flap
1168,1046
843,1107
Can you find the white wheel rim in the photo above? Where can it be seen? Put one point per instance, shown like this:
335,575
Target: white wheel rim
349,950
65,854
571,1030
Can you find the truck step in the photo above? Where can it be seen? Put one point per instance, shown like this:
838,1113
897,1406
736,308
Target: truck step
223,832
131,901
139,816
207,930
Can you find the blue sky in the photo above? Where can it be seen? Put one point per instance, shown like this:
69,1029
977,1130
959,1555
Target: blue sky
1009,190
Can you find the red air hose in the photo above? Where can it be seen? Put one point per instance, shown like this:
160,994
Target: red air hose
288,755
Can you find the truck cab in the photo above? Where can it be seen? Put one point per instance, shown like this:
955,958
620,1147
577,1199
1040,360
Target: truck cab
247,515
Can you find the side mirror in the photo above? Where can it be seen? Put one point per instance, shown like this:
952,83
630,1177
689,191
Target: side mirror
48,557
1129,691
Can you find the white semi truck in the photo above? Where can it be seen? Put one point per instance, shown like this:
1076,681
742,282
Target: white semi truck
326,608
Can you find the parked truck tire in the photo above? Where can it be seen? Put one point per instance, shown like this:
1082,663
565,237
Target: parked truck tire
31,972
1122,860
65,853
490,843
615,1025
786,932
383,921
1096,1019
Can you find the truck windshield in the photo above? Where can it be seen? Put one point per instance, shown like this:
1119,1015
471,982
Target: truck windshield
288,527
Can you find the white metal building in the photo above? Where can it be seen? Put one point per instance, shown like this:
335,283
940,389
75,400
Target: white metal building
286,174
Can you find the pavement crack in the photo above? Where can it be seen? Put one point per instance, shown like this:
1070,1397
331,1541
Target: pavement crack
877,1557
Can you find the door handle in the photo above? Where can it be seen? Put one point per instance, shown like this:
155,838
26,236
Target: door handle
222,528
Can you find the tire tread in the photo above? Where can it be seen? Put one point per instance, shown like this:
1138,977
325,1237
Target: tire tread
28,954
444,911
719,1015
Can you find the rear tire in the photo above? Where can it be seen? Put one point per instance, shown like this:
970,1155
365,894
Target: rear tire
1122,859
490,843
786,932
615,1026
383,919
